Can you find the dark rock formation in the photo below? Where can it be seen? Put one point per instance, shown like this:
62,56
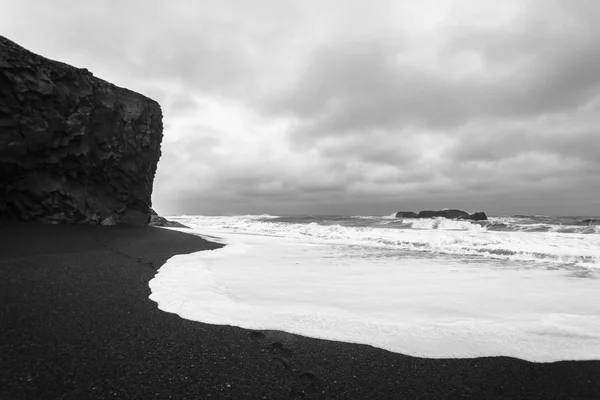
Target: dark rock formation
451,214
157,220
73,148
447,213
478,216
406,214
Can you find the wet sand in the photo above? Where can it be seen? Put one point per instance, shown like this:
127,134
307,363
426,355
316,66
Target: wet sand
76,323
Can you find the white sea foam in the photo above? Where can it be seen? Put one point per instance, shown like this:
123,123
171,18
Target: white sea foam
445,224
391,216
436,236
414,306
361,285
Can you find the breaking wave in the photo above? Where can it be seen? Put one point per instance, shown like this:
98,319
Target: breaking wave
504,238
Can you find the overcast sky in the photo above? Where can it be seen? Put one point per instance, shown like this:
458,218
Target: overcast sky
346,106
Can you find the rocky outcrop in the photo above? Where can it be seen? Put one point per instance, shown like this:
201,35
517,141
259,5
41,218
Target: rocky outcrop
478,216
406,214
157,220
73,148
447,213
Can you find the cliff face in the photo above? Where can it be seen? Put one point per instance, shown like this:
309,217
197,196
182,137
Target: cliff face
73,148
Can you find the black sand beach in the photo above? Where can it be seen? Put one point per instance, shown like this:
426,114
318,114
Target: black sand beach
76,323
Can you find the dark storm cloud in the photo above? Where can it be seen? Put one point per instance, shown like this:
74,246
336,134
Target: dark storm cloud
554,62
584,146
543,63
373,147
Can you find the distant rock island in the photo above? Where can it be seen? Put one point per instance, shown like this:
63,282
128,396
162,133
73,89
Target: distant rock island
73,148
447,213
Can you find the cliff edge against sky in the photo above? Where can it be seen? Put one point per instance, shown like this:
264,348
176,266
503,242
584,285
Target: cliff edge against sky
73,148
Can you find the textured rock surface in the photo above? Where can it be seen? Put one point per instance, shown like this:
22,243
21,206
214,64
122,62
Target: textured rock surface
447,213
73,148
478,216
406,214
157,220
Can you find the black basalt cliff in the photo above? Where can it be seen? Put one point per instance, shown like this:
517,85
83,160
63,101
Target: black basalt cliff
73,148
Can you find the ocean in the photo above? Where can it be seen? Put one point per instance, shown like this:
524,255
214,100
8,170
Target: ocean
522,286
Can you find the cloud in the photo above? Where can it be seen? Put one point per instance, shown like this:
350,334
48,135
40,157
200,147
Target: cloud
348,107
540,64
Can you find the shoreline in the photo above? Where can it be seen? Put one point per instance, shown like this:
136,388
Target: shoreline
77,323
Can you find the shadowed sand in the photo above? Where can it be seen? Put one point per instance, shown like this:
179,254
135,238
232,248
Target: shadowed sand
76,323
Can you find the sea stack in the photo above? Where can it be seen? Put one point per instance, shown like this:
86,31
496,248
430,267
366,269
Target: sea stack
73,148
446,213
406,214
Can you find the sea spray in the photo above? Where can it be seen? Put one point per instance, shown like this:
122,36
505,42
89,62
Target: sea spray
531,295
